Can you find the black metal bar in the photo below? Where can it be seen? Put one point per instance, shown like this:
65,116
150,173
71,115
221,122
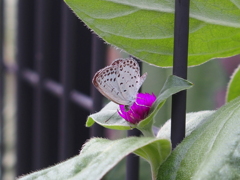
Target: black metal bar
75,65
54,87
132,168
24,91
82,100
39,98
30,76
66,126
180,56
82,63
2,73
46,107
98,59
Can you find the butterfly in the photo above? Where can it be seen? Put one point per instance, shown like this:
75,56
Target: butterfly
120,81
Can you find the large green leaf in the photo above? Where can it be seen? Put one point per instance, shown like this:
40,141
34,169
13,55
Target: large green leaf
233,90
99,155
211,152
109,118
144,28
193,121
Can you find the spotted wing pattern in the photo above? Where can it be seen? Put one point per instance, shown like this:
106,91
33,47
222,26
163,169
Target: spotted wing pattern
120,81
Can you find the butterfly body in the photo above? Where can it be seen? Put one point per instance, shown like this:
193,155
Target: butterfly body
120,81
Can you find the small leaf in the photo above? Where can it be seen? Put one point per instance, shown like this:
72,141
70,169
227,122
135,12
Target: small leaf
98,156
145,28
172,86
109,118
210,152
233,90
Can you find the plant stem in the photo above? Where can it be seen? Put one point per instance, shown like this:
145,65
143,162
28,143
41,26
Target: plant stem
147,130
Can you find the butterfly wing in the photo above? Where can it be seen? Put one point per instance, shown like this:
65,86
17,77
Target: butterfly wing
120,81
129,80
105,80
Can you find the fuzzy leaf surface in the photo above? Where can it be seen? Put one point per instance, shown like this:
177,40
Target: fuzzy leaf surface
145,28
210,152
233,90
98,156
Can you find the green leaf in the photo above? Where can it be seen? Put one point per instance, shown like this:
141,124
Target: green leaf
145,28
172,86
233,90
99,155
109,118
155,154
210,152
193,121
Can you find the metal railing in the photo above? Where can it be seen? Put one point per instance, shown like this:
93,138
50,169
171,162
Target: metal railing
55,53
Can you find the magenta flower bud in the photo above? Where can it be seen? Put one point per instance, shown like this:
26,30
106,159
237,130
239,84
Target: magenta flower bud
140,108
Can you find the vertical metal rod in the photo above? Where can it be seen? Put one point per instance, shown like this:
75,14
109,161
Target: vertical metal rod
98,59
75,65
66,124
46,107
83,50
132,168
180,56
2,72
24,92
39,59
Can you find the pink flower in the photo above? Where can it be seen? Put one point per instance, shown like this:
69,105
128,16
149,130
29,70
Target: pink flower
140,108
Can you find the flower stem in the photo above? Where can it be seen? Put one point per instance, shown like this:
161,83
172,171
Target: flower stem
147,133
147,130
